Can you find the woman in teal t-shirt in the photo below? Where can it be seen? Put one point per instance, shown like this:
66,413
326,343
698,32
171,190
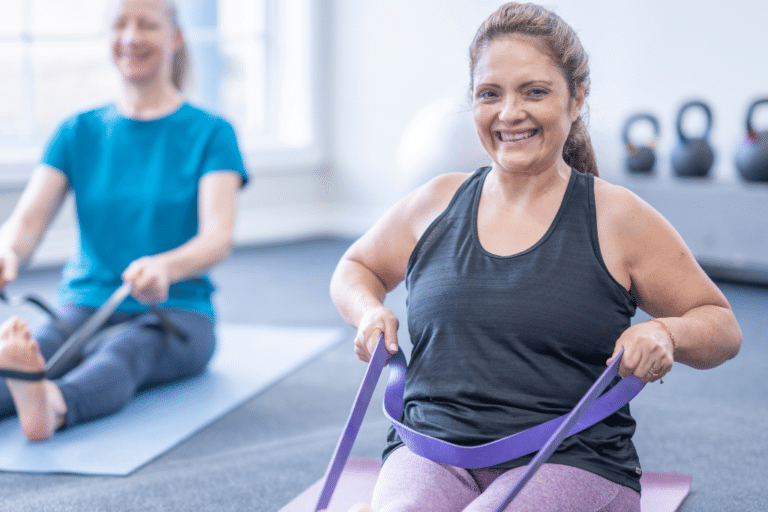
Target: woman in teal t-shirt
155,182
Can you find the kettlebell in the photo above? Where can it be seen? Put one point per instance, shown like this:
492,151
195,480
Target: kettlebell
752,153
693,157
641,159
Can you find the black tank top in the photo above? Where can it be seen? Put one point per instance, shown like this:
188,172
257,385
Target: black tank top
504,343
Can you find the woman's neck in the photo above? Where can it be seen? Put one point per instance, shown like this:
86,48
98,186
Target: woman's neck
511,187
146,102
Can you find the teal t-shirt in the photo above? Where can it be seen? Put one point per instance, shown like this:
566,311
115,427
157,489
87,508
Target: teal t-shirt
136,187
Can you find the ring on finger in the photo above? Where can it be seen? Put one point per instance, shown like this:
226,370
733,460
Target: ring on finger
655,376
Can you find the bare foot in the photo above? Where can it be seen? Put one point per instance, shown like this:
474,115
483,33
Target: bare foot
39,404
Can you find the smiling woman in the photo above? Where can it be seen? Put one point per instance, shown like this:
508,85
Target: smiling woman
523,112
155,182
525,270
522,106
149,53
146,44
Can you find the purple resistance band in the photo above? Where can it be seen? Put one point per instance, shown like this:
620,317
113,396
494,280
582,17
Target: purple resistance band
543,438
356,415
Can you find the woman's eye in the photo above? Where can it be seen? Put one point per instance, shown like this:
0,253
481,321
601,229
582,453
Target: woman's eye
148,25
538,93
484,95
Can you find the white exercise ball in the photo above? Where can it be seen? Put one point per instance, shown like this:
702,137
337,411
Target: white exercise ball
441,138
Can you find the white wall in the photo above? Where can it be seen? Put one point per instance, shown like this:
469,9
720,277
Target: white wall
392,57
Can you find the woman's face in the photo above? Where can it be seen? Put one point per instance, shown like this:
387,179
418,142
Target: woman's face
144,40
522,107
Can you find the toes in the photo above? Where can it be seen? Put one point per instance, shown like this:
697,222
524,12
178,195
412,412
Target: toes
23,331
15,327
10,329
15,330
5,328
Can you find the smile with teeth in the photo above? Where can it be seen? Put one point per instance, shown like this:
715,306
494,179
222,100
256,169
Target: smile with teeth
514,137
135,54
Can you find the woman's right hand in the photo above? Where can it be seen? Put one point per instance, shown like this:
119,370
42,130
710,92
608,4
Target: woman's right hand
9,268
373,323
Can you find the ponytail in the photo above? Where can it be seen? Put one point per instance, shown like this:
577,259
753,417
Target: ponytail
179,66
577,151
180,63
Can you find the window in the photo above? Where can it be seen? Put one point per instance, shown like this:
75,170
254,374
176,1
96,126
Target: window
251,62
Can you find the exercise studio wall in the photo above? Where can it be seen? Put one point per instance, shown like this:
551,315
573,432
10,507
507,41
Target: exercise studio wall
393,58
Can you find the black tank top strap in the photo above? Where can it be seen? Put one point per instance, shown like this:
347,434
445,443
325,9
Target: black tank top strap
459,205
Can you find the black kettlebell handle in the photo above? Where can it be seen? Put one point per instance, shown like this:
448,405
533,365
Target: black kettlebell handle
640,117
751,133
707,112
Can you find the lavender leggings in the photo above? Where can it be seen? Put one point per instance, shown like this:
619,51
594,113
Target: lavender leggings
410,483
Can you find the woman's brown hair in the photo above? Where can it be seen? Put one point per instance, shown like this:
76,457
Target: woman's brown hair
180,64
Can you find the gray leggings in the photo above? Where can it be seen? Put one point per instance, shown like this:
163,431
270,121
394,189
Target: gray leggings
409,483
135,352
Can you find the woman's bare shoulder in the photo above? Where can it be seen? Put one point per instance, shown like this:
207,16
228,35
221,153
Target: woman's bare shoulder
614,196
428,201
442,187
386,247
632,228
622,209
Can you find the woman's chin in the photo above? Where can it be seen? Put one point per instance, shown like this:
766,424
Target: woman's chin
523,166
138,75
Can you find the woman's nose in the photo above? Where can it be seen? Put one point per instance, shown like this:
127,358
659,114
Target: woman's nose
511,109
129,34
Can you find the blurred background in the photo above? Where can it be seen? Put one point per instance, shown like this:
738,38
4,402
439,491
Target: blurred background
342,106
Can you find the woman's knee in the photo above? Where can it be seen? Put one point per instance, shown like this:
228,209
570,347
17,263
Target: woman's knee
557,488
196,348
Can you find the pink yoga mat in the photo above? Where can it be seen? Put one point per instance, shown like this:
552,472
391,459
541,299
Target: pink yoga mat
662,492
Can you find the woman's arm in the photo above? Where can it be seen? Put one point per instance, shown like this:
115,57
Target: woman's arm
217,210
37,207
667,283
376,263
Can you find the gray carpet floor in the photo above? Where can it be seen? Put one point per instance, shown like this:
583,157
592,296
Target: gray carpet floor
258,457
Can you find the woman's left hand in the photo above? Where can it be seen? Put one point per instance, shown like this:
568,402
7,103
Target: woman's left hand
150,278
648,352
